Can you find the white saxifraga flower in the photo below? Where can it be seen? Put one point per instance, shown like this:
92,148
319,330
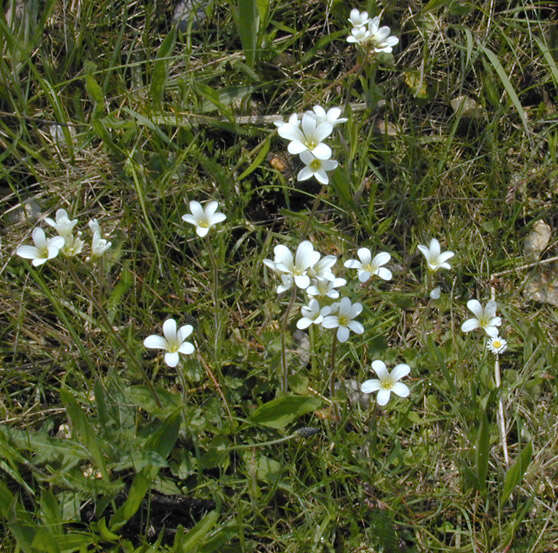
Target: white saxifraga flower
63,224
44,248
293,121
296,267
324,288
485,318
331,116
367,266
307,136
435,293
379,37
359,35
203,218
497,345
314,167
435,259
358,19
173,341
322,268
98,244
311,314
340,316
386,382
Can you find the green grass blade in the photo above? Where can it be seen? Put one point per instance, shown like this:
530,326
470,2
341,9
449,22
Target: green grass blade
549,59
160,70
515,473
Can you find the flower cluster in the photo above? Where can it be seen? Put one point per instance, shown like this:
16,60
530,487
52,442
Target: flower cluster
368,33
65,241
306,136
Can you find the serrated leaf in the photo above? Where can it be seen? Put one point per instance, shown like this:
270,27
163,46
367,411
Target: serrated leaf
515,473
279,412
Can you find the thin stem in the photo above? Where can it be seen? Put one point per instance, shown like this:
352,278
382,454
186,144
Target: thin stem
119,339
215,296
332,372
501,419
284,323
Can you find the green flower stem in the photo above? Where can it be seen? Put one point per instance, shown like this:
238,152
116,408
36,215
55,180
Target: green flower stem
110,329
332,371
215,297
284,323
501,419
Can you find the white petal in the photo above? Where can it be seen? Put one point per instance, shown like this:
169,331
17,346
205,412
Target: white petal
492,331
169,329
39,261
381,259
399,371
290,132
384,273
363,276
189,218
379,367
331,321
296,147
305,173
211,208
342,334
475,307
365,255
383,397
155,342
369,386
187,348
306,157
183,332
39,238
27,252
400,389
321,151
321,176
202,231
56,242
305,255
217,218
352,264
197,210
302,281
356,327
303,323
470,324
171,359
490,309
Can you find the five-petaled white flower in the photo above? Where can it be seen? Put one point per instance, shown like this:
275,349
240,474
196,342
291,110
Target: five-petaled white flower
358,19
386,382
44,248
307,136
379,37
311,314
173,340
323,287
331,116
98,244
203,217
359,35
367,266
295,268
497,345
485,318
314,167
340,315
435,259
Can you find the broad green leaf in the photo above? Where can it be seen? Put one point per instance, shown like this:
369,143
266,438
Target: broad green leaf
515,473
160,69
257,160
279,412
128,509
163,439
248,22
191,542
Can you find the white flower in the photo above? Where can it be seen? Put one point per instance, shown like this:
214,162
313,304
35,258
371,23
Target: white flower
435,293
72,245
435,259
293,121
314,167
322,268
98,244
359,35
307,136
62,224
311,314
386,382
173,341
485,318
294,267
342,318
358,19
331,117
497,345
203,217
44,248
379,38
325,288
367,266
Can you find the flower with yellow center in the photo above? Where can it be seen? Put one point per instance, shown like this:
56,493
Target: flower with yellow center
203,217
340,315
367,266
386,382
44,248
497,345
485,318
173,341
307,136
314,167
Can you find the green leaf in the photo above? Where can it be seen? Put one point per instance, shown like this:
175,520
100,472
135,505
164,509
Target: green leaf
95,92
160,69
515,473
128,509
507,85
257,160
191,542
163,439
248,23
279,412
